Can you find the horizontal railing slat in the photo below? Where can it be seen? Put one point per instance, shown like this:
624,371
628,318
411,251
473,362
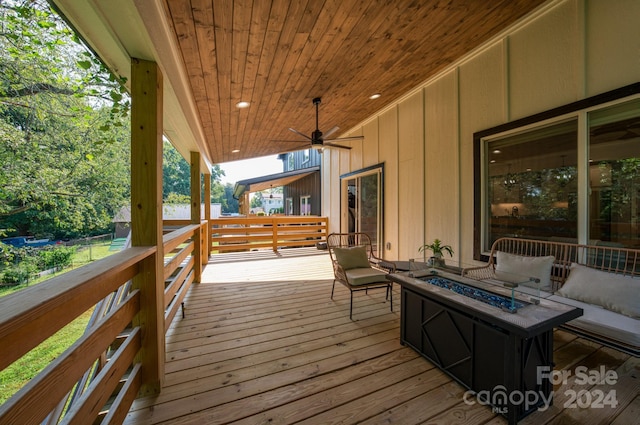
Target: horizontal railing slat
104,384
246,233
176,282
32,315
171,265
39,396
175,303
172,240
123,401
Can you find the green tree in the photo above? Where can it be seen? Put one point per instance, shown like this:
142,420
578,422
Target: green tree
256,200
176,173
229,203
176,178
64,127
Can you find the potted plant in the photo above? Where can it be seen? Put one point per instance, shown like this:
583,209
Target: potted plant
438,249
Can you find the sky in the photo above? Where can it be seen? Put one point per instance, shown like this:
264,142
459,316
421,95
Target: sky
250,168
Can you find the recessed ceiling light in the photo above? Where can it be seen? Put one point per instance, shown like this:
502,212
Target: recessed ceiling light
242,104
375,96
493,161
235,151
496,151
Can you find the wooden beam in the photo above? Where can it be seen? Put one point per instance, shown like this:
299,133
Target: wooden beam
196,202
146,215
207,216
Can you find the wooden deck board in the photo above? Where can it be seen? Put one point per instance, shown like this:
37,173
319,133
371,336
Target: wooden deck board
262,343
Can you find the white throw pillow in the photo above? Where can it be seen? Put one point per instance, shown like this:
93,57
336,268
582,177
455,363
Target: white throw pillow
611,291
515,268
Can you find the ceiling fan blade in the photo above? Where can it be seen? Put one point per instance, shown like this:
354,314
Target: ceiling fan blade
341,139
330,132
331,145
288,141
299,134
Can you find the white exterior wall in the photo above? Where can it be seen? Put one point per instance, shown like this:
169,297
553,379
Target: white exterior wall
566,51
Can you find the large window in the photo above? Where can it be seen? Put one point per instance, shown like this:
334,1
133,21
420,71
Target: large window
532,184
614,174
570,174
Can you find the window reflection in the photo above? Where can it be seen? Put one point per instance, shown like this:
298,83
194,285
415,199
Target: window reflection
533,183
539,177
614,174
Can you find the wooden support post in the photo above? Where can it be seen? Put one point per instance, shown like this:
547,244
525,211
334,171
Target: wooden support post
274,229
207,216
196,201
246,204
146,216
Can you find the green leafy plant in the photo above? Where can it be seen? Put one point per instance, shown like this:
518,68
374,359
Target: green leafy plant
437,248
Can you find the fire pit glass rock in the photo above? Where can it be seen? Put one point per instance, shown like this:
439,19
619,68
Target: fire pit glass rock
505,303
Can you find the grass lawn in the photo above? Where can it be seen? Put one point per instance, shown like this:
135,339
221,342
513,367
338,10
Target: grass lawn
23,370
84,255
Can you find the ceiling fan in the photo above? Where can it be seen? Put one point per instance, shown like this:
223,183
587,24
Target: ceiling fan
318,140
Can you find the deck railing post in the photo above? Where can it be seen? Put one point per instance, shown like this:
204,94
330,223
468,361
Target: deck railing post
274,229
196,214
146,216
207,216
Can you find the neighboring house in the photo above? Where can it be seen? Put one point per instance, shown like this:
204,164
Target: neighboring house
300,181
272,203
122,219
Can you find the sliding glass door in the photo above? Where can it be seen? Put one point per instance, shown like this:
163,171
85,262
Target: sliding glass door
361,203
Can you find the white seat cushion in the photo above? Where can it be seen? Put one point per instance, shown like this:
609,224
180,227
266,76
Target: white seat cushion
604,322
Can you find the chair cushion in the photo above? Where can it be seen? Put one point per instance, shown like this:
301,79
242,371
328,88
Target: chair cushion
611,291
512,268
365,276
352,258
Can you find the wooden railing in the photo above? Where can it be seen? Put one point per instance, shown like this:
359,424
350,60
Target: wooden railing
247,233
110,353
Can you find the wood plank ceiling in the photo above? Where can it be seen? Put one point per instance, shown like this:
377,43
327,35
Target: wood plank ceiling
279,55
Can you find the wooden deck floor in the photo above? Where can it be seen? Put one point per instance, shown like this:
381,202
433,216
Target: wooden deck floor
263,343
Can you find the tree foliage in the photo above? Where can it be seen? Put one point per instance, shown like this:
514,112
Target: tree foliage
176,183
63,126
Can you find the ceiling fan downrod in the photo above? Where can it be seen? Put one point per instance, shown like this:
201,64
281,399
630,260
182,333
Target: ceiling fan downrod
316,135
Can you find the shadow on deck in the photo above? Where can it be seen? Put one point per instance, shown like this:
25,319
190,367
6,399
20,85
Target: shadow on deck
262,342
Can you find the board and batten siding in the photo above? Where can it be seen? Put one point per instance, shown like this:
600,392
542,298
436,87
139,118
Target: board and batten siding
306,186
565,51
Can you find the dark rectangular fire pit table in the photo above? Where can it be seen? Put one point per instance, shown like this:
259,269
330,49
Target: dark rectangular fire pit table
503,355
